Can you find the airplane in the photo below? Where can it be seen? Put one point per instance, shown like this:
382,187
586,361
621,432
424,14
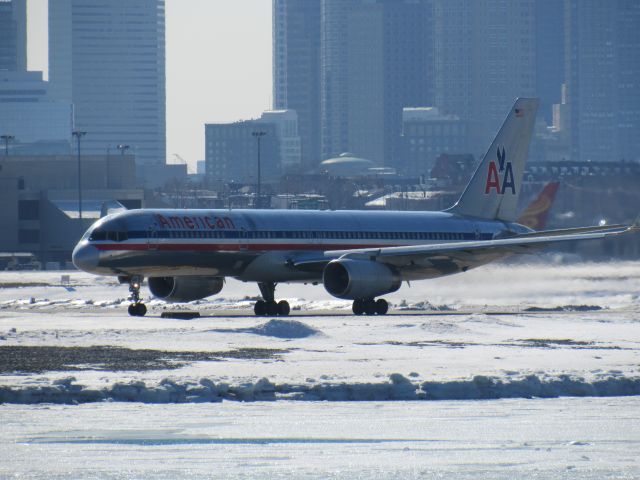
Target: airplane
185,254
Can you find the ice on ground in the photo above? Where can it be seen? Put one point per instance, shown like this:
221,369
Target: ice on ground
576,438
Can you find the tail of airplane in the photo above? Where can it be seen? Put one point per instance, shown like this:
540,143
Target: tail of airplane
493,190
536,214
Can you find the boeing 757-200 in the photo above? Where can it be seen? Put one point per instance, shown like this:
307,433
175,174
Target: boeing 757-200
356,255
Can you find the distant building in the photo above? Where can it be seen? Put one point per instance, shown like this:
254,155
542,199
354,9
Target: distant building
549,55
13,35
296,70
603,78
29,115
426,134
375,59
286,123
346,165
484,59
108,59
231,152
39,195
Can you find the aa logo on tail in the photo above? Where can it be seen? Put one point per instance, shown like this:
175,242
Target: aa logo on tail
500,176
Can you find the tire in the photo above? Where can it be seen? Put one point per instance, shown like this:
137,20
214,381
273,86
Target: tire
382,307
358,307
137,310
370,307
283,308
272,308
260,308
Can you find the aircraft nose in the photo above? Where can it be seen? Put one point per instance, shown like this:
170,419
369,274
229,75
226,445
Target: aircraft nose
85,257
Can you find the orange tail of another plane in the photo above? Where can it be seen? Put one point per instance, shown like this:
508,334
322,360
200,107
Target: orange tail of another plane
536,214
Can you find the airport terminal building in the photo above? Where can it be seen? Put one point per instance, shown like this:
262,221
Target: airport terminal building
44,220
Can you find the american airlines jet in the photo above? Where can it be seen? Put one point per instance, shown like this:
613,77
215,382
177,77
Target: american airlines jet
356,255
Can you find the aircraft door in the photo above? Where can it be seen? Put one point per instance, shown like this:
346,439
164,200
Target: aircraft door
243,239
152,239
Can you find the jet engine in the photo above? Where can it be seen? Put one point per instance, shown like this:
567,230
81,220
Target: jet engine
184,289
357,279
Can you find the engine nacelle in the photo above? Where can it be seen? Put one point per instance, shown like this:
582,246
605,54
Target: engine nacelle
356,279
184,289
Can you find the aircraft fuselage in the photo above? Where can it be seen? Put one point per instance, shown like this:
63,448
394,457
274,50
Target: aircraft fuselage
261,245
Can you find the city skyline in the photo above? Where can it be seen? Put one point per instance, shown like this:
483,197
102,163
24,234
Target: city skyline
238,35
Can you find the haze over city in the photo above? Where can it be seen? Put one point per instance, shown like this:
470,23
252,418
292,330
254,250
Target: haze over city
292,104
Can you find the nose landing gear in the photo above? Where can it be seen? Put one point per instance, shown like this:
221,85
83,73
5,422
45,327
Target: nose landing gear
369,306
268,306
137,308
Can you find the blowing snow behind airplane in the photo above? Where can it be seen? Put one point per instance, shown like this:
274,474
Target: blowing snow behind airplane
356,255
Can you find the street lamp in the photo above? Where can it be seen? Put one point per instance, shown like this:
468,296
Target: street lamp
259,135
122,148
79,134
6,139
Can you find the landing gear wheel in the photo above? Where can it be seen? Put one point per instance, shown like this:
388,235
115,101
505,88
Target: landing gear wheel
358,307
260,308
272,308
137,310
382,307
283,308
370,306
268,305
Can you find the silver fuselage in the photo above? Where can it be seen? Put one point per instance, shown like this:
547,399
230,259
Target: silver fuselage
263,245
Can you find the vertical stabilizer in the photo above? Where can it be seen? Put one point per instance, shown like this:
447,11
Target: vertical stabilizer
494,188
536,214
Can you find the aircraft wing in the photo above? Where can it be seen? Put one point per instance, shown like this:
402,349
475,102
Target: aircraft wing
462,253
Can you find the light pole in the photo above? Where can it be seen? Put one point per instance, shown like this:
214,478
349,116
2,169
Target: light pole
79,134
259,135
6,139
122,147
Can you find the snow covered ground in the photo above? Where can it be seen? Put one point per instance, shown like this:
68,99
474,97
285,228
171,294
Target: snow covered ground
496,346
568,438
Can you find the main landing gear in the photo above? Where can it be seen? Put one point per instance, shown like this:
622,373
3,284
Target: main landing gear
370,306
137,308
268,305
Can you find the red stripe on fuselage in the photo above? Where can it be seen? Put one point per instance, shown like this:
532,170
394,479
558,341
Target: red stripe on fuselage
226,247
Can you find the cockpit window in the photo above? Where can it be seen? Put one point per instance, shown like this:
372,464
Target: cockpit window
98,235
111,235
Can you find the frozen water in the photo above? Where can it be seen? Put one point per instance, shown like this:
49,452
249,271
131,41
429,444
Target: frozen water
588,438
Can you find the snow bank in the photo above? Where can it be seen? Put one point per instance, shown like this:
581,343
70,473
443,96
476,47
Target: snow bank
276,328
397,387
284,329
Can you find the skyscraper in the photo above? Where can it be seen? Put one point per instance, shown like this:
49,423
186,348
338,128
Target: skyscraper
108,59
603,78
485,58
13,35
375,59
296,70
549,34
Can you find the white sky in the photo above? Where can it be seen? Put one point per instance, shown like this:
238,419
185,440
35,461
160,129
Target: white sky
218,65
